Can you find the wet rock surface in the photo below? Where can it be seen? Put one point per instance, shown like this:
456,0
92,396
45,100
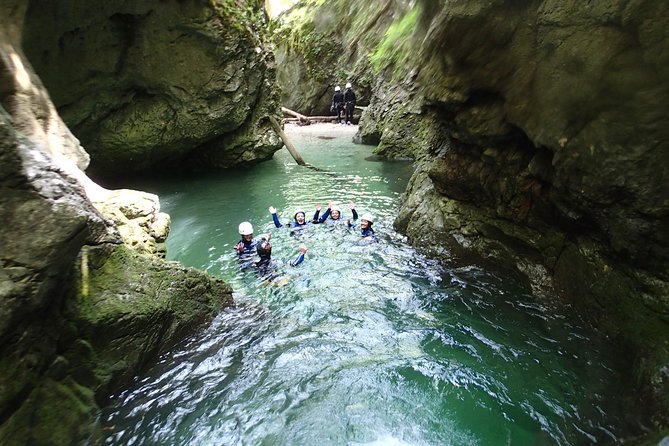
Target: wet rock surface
540,145
157,85
80,312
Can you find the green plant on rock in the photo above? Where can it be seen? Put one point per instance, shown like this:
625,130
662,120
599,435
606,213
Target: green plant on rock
395,48
319,51
241,15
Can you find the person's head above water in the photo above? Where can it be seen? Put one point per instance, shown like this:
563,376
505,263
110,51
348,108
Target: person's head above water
366,221
299,216
246,230
264,250
335,212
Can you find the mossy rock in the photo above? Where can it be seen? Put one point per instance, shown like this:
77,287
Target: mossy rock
135,306
147,86
54,413
323,44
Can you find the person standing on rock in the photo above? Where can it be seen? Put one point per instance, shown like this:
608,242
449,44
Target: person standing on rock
349,103
337,103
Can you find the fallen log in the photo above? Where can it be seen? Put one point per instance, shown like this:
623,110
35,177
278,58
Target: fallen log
313,118
310,121
317,119
289,145
294,113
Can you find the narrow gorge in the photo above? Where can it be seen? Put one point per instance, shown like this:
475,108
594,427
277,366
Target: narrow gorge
539,139
537,133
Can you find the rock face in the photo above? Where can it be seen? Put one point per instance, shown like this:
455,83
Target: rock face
138,219
80,312
157,85
539,130
320,47
546,150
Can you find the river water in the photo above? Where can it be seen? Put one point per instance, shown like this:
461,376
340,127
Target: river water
363,343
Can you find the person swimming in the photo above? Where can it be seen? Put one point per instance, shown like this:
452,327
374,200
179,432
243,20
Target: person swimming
264,252
366,222
248,244
333,214
268,269
299,222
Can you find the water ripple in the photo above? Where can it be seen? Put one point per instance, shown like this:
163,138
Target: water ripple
362,344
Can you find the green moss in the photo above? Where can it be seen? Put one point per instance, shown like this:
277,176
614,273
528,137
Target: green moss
405,133
240,16
395,48
137,306
54,413
319,50
327,33
16,378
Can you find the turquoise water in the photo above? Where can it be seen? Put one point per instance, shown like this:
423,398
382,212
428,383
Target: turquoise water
363,343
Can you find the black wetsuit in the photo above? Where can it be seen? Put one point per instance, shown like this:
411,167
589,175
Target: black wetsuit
328,213
338,104
349,100
269,269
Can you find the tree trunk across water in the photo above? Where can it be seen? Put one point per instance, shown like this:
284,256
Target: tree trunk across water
306,120
289,145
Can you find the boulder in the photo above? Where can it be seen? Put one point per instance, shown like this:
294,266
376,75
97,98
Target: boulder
158,85
80,312
138,219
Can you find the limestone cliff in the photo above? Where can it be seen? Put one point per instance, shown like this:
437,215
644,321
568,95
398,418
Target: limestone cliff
547,151
158,85
320,45
80,312
539,130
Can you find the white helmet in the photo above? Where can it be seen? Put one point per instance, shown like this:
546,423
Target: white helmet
337,88
335,209
245,228
299,210
367,217
348,85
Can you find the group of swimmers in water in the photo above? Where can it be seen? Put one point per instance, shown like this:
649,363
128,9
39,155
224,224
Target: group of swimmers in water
249,246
